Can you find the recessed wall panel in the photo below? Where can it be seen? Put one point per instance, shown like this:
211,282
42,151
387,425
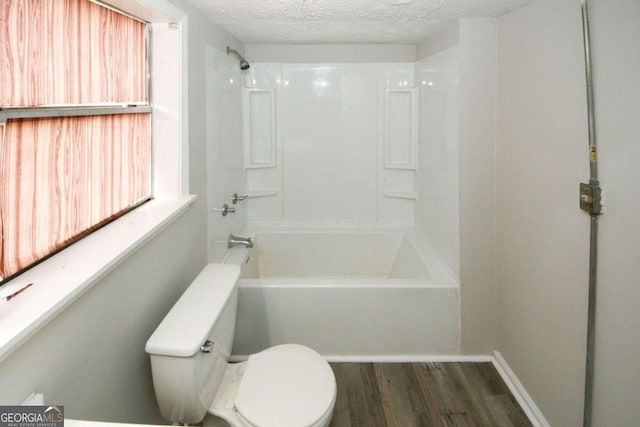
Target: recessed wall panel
260,132
400,128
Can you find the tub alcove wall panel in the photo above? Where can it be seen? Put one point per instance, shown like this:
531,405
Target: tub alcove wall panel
331,143
439,139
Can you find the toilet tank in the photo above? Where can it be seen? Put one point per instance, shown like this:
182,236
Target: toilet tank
190,348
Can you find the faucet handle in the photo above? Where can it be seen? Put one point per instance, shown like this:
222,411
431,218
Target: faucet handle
225,209
236,198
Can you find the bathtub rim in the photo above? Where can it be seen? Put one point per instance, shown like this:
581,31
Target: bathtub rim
441,274
343,283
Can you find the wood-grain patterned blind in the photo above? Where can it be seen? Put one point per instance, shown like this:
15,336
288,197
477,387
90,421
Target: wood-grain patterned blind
62,177
69,52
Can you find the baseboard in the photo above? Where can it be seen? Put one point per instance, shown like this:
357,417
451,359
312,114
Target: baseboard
394,358
391,358
519,392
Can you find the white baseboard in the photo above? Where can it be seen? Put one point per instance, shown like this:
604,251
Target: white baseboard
410,358
394,358
519,392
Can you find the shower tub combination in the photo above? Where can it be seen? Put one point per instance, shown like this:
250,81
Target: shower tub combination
351,294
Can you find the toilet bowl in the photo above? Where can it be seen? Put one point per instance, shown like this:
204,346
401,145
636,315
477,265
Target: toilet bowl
287,385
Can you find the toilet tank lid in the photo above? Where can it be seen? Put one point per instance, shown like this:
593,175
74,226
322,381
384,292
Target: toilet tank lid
188,324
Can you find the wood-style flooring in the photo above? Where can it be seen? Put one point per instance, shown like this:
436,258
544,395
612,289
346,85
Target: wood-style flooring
423,394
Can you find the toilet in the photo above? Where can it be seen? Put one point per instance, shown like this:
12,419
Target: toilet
287,385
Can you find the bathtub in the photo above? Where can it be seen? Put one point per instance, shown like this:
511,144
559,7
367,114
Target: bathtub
352,294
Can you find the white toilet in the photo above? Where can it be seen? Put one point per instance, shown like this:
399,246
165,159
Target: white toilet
287,385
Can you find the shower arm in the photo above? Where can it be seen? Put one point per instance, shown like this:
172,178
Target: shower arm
244,64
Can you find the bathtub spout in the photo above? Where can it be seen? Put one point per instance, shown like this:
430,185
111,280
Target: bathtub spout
239,241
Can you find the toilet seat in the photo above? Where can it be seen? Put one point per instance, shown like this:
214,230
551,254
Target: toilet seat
285,385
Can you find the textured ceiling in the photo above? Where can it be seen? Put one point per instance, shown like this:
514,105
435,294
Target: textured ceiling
343,21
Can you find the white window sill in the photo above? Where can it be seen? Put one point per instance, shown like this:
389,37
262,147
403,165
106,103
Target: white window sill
61,279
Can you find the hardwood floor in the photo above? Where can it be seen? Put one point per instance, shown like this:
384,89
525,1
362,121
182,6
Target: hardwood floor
423,394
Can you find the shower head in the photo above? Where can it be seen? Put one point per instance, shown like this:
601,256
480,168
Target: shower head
244,64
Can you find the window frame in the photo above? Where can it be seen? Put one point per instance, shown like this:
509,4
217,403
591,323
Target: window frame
80,110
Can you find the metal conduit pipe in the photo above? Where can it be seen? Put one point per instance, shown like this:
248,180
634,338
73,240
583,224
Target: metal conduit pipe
591,202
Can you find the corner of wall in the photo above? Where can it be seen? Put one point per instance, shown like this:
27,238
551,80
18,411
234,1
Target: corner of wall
446,37
478,75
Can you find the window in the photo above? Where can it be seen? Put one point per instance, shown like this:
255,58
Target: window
75,124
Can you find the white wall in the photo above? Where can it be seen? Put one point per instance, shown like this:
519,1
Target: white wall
615,31
91,357
542,236
477,62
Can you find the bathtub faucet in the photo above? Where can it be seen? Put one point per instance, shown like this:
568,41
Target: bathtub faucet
239,241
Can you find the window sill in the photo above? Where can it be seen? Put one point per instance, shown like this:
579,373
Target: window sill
61,279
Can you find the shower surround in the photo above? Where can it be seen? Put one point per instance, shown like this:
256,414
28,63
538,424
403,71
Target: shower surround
346,163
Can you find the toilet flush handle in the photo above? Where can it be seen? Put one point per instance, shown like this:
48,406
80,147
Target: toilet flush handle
207,347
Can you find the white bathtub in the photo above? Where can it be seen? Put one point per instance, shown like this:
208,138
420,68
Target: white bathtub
349,293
